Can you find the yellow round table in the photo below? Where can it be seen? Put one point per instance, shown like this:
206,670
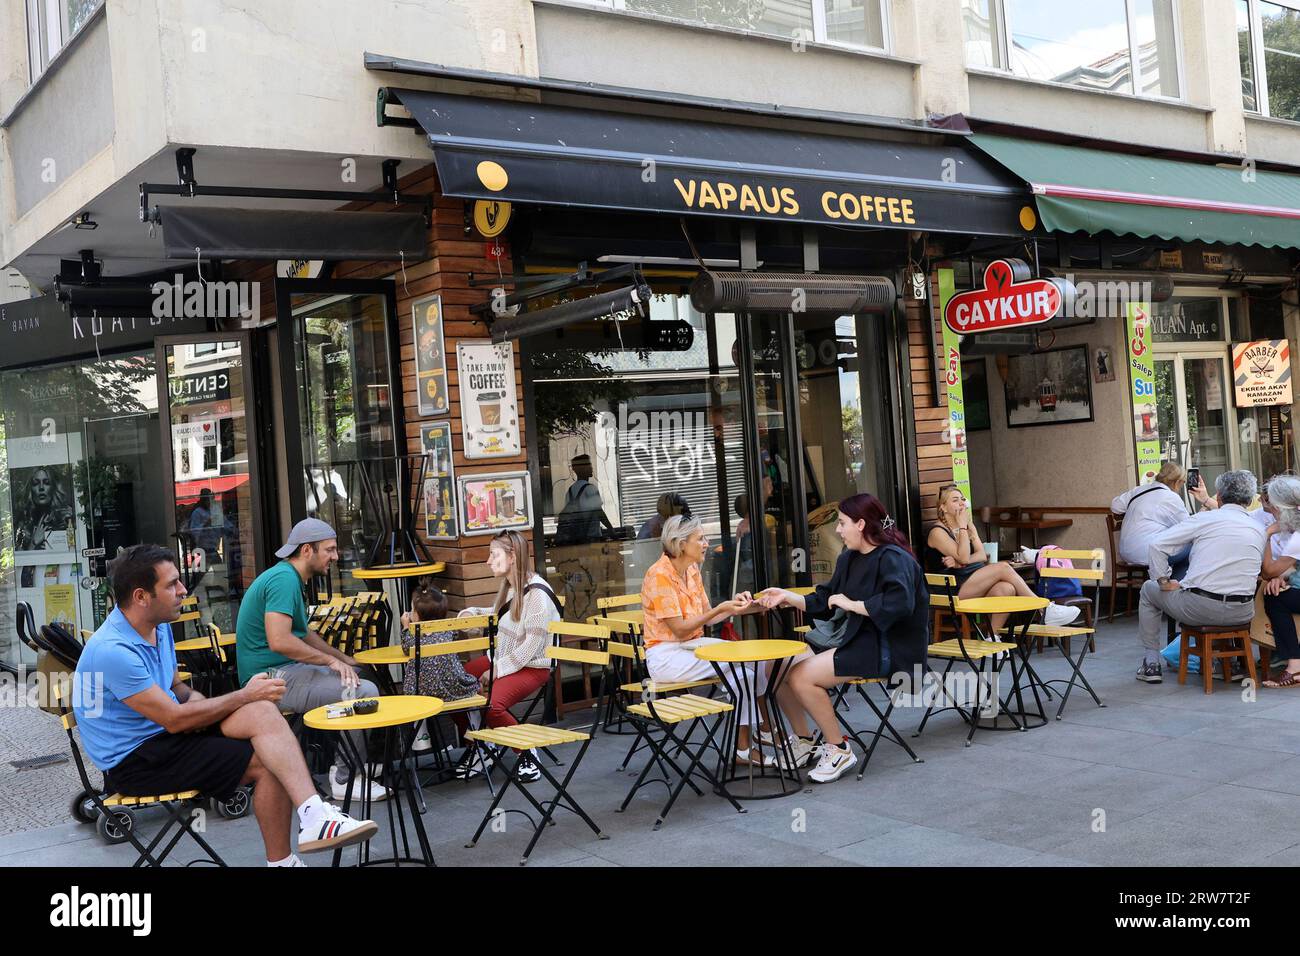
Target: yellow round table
385,656
749,652
985,607
1000,605
203,644
396,572
394,713
729,659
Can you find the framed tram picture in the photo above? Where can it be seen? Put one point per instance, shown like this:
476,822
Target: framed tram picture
439,483
1049,388
430,356
496,502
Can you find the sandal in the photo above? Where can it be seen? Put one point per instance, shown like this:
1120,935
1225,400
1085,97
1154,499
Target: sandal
1285,679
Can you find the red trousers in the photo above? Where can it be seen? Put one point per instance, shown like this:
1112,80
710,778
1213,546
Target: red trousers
507,691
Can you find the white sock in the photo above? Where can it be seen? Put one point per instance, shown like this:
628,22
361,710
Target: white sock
310,807
290,860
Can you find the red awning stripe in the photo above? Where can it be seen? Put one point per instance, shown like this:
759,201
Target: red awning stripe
1170,202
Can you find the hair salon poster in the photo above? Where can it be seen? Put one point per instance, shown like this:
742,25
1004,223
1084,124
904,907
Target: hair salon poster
439,483
430,357
489,415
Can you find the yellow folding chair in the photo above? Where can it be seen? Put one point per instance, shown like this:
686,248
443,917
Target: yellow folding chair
524,737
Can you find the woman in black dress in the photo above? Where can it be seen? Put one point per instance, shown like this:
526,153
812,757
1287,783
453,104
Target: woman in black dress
881,587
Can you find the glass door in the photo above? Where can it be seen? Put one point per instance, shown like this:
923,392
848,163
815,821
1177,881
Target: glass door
1195,415
777,501
211,468
338,368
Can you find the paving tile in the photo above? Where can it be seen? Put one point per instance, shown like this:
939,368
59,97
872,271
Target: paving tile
924,846
1195,758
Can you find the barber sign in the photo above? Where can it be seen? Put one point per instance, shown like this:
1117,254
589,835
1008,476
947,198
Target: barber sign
1261,373
1008,300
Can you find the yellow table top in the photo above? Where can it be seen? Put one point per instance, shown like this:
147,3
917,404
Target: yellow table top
378,656
400,709
203,644
634,617
737,652
391,572
1000,605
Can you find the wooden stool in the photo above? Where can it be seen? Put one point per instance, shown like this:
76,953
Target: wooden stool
1201,640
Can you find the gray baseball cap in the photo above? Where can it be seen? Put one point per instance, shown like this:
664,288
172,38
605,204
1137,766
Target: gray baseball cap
306,531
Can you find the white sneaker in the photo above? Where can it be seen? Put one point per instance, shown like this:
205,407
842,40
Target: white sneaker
293,860
833,764
339,789
1059,615
755,757
802,750
423,742
330,828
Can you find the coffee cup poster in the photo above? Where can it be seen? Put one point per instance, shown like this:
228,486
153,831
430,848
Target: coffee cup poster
492,503
430,359
489,413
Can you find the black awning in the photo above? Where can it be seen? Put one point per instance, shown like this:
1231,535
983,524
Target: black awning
235,233
556,155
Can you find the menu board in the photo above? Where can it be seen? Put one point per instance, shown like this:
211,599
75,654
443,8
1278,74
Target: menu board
492,503
489,413
439,483
430,357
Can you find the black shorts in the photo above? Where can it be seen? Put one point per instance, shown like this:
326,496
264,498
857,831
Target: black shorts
204,761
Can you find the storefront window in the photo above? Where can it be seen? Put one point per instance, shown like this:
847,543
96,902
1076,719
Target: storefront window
1088,45
629,435
78,472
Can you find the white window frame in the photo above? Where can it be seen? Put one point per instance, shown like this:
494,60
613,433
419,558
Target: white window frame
998,13
44,43
1257,54
818,25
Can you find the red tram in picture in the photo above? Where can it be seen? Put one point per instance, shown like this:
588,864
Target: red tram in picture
1047,395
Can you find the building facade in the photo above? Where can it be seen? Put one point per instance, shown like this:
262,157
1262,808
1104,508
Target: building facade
523,339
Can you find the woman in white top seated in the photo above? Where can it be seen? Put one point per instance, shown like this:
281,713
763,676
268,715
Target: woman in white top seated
1151,508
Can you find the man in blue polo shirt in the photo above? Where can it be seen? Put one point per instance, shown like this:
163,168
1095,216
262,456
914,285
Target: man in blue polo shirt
150,733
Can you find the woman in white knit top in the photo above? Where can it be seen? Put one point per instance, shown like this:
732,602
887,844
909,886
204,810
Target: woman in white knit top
522,667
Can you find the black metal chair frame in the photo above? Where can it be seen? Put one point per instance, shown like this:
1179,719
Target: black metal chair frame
562,798
177,815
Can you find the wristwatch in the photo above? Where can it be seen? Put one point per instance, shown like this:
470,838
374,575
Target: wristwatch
1165,580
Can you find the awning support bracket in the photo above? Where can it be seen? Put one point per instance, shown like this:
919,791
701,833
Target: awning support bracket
549,285
187,186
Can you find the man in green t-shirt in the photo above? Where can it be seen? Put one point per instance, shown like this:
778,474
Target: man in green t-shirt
271,635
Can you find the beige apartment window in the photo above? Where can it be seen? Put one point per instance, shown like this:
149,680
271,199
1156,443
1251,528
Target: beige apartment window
1093,45
50,25
860,24
1268,41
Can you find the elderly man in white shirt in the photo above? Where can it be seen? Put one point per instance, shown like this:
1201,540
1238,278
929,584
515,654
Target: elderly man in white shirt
1219,586
1151,508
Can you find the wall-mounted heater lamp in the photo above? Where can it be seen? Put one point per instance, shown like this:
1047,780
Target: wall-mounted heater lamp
792,292
632,298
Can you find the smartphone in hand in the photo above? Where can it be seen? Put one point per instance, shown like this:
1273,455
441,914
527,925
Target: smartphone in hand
1193,478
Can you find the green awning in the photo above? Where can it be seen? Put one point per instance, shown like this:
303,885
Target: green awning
1093,191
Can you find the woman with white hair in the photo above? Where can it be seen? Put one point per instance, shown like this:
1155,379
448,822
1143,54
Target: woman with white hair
676,610
1281,499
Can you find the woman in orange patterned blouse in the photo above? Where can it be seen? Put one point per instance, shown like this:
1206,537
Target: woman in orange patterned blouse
676,609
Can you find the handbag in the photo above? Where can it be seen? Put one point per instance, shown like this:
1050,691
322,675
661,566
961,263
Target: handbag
728,631
829,632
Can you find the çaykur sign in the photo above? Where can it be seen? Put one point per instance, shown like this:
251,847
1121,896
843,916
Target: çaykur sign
1010,298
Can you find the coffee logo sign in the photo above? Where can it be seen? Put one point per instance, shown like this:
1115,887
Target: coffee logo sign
1009,299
